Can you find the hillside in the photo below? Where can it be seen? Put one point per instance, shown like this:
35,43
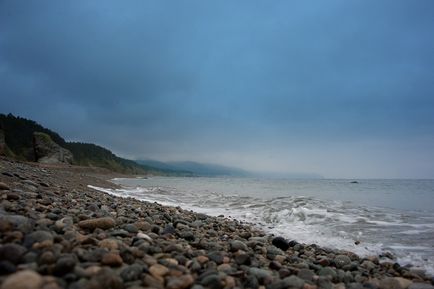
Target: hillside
18,134
199,169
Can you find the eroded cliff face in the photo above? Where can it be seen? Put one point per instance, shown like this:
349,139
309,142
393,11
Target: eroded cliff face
2,142
48,152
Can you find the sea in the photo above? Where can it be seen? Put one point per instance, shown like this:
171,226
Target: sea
368,217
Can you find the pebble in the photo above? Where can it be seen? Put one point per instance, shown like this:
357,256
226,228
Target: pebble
110,244
12,196
158,270
342,260
237,245
131,273
280,243
23,280
102,223
418,285
4,186
12,252
112,259
182,282
64,265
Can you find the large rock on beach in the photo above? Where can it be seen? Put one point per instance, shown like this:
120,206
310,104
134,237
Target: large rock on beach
49,152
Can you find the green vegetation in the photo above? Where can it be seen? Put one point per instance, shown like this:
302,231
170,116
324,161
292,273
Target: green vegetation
19,139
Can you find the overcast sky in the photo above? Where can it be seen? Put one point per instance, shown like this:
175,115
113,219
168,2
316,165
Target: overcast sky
339,88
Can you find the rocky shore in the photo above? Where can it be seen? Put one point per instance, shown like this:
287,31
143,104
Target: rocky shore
55,232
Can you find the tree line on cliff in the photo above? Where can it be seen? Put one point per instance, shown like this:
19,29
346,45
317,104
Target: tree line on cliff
18,134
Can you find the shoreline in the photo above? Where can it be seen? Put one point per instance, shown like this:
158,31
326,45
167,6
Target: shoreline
56,232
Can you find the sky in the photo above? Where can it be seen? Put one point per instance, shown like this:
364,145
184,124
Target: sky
340,88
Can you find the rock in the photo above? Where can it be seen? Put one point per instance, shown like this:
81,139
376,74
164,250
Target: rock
7,268
243,259
394,283
105,279
119,233
64,265
238,245
3,186
110,244
144,236
12,196
212,281
260,274
47,258
342,260
417,285
12,253
143,225
305,274
182,282
131,228
37,237
216,257
49,152
26,279
112,259
275,265
280,243
152,282
169,230
293,282
187,235
102,223
131,273
327,271
158,270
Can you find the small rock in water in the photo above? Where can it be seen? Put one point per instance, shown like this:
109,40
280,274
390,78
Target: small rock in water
281,243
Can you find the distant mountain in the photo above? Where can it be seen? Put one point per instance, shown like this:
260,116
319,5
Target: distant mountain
198,169
18,136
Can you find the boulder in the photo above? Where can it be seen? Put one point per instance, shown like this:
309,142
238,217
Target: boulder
49,152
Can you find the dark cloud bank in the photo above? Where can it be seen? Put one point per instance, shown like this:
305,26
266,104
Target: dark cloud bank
339,88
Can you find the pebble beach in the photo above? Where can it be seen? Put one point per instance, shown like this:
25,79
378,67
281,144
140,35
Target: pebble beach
57,232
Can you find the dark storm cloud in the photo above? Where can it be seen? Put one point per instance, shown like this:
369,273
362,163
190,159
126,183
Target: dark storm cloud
275,86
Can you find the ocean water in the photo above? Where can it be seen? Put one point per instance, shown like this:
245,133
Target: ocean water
395,216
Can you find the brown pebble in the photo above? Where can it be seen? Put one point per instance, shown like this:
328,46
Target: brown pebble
102,223
230,282
3,186
153,282
12,196
158,270
202,259
110,244
182,282
26,279
112,259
